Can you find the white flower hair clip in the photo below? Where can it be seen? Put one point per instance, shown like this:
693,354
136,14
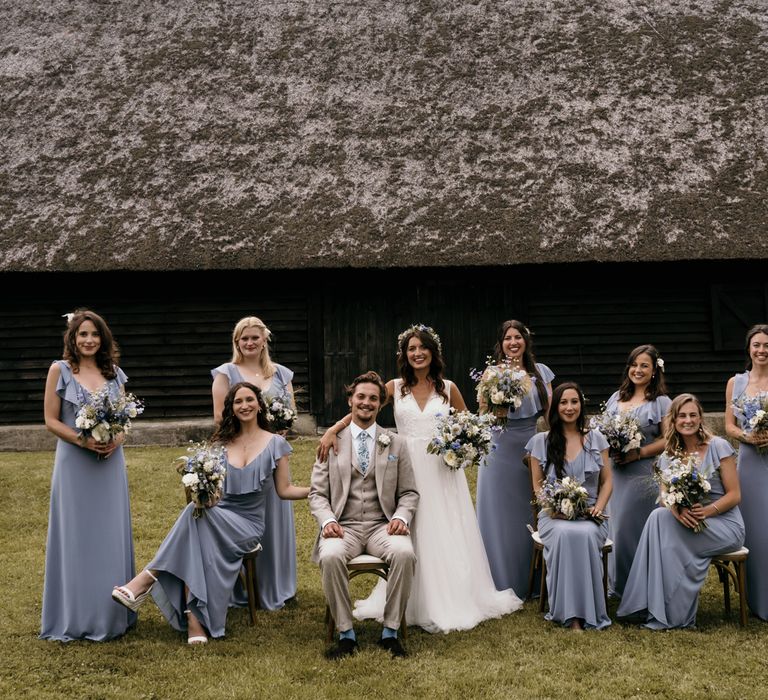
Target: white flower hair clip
660,363
69,317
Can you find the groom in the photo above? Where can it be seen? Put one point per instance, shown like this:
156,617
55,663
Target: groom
363,498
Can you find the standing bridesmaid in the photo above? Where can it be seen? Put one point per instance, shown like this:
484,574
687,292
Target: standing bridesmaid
276,565
504,483
752,465
643,393
90,543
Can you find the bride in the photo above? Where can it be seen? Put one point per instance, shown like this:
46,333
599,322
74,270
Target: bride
452,588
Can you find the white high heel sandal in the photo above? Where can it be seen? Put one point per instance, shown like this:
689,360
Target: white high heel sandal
195,639
125,596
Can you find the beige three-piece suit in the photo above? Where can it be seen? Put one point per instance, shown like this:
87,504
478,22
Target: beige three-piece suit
363,504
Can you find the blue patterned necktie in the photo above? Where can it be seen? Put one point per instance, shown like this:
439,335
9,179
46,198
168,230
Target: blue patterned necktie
362,451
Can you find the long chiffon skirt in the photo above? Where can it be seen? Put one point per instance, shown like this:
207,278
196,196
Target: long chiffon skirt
753,476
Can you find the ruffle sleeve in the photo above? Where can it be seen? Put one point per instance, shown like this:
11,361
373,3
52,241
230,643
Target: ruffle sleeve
594,444
740,382
537,447
547,375
719,449
229,370
658,408
120,376
252,477
66,388
612,404
283,374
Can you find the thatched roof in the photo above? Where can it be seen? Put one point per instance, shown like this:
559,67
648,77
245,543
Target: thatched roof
272,134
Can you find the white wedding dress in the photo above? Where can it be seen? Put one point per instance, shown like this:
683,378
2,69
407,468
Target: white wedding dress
453,588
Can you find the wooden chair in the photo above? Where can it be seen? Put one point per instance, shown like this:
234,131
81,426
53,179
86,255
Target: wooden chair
247,574
362,564
733,567
537,561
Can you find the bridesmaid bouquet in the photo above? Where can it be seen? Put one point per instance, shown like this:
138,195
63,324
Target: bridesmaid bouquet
463,439
565,498
500,389
683,484
103,418
202,473
621,430
280,414
753,412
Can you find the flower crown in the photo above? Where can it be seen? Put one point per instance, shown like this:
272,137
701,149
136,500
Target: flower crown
419,327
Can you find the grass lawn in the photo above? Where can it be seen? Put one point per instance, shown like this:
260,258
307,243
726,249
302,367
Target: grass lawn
518,656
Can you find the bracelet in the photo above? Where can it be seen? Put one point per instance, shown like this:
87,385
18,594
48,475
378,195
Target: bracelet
714,505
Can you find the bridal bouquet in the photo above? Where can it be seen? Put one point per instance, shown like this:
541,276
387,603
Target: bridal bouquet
280,414
682,483
463,439
753,412
103,417
564,497
202,473
500,388
621,430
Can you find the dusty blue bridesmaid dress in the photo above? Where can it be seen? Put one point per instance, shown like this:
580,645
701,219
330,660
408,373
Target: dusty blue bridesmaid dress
504,495
276,565
671,561
90,543
205,553
634,493
753,477
572,548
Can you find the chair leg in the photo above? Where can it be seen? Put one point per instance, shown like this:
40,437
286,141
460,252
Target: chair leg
252,589
543,587
532,572
727,589
741,580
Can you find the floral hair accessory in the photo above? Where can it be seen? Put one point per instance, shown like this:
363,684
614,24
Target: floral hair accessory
423,329
660,363
69,317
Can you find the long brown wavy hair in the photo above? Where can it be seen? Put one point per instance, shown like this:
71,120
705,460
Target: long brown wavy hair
556,435
108,354
751,333
656,387
230,426
436,366
529,360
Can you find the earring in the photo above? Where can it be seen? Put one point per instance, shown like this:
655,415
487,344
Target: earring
701,434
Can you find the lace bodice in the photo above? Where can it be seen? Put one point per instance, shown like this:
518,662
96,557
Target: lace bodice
411,421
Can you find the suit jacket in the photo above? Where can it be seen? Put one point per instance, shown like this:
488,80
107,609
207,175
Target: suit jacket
395,482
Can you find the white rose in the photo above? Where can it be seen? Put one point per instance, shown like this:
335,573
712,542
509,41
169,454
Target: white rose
101,432
132,413
450,458
497,397
208,466
190,480
566,508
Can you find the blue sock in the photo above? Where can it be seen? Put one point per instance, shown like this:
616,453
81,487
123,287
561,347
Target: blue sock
388,633
348,634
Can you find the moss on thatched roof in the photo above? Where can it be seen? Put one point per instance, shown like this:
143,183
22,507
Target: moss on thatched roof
199,135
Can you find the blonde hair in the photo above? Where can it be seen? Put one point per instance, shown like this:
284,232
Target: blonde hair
673,441
267,366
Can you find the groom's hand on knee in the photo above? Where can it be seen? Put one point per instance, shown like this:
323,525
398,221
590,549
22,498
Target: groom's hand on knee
333,529
397,527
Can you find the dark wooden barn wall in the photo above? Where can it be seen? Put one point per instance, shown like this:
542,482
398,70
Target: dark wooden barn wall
169,344
586,319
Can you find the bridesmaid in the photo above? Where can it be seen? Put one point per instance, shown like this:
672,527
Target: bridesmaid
90,542
572,548
276,565
752,466
672,560
197,564
643,393
504,483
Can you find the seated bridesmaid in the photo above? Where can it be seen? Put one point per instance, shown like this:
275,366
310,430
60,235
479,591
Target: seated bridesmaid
197,564
572,548
672,558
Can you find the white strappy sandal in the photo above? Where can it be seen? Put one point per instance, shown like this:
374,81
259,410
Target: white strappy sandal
125,596
195,639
